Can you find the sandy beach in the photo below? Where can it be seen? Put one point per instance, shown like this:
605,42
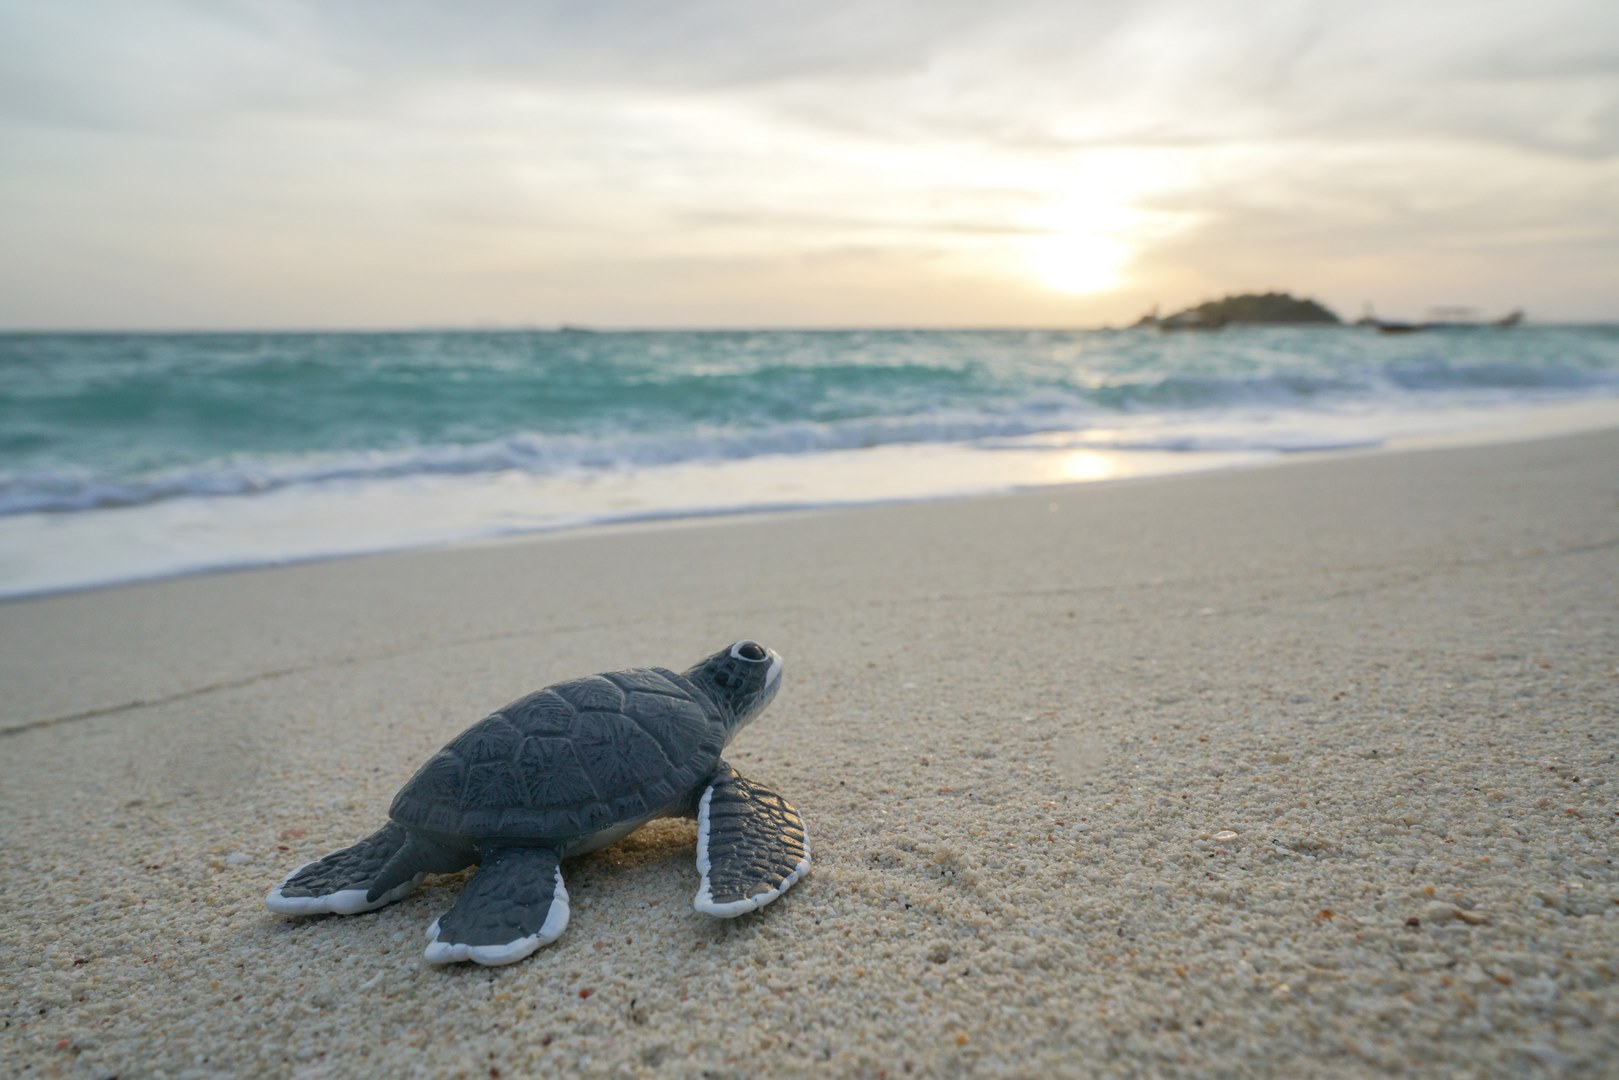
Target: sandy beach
1289,771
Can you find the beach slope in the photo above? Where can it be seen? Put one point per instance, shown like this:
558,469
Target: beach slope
1265,772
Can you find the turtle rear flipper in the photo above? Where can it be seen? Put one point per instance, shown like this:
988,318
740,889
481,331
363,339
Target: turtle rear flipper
373,873
515,903
751,845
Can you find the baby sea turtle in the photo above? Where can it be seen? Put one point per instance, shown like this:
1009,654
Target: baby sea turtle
565,770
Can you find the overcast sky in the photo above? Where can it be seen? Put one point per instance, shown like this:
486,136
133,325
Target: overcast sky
403,164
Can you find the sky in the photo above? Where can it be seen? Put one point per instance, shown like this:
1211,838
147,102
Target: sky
398,164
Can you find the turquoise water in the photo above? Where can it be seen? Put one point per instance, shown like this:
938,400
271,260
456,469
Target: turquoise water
95,425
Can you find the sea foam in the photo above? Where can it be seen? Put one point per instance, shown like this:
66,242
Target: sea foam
125,456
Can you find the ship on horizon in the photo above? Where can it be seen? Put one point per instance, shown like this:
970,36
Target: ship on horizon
1442,318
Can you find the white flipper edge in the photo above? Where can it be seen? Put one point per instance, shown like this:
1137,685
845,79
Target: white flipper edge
704,901
556,921
343,902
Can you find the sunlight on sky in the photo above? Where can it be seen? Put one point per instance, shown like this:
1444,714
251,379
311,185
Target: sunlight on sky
1091,225
1084,251
305,164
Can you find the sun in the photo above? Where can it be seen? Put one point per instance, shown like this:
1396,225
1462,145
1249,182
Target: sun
1079,262
1081,244
1087,225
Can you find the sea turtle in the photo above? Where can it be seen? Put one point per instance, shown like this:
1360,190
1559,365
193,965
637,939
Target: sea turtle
565,770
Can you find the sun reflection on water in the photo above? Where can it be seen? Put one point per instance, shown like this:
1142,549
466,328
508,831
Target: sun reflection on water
1083,466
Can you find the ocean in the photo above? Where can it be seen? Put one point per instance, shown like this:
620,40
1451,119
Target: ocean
133,456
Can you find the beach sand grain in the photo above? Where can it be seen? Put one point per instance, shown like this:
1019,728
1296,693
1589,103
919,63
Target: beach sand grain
1273,772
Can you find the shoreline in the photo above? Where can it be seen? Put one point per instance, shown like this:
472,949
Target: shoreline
1265,771
880,476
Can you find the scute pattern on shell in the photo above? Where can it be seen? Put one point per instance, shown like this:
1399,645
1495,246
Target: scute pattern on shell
570,759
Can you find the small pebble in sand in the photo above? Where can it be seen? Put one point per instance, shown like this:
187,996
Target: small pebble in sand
1225,834
238,858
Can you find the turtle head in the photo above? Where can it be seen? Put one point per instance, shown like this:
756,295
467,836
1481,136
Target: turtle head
741,679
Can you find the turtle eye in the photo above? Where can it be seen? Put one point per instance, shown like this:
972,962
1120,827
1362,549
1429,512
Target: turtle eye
748,650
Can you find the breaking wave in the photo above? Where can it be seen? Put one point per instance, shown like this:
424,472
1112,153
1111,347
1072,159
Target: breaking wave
104,421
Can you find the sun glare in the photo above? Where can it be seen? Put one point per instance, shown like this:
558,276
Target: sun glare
1084,466
1081,245
1078,261
1083,236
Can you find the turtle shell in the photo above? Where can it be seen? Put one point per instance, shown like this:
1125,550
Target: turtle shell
572,759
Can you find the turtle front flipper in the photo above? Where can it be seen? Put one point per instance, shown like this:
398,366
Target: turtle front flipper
751,845
515,903
380,869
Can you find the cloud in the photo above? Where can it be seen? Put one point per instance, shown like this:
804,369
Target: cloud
1536,76
1022,75
287,148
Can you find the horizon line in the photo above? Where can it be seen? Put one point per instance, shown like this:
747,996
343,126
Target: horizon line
784,328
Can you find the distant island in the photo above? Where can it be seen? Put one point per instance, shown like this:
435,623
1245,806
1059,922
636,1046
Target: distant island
1245,309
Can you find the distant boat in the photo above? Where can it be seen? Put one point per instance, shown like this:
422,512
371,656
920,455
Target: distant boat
1445,318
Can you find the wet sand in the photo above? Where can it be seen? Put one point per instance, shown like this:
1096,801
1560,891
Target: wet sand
1267,772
